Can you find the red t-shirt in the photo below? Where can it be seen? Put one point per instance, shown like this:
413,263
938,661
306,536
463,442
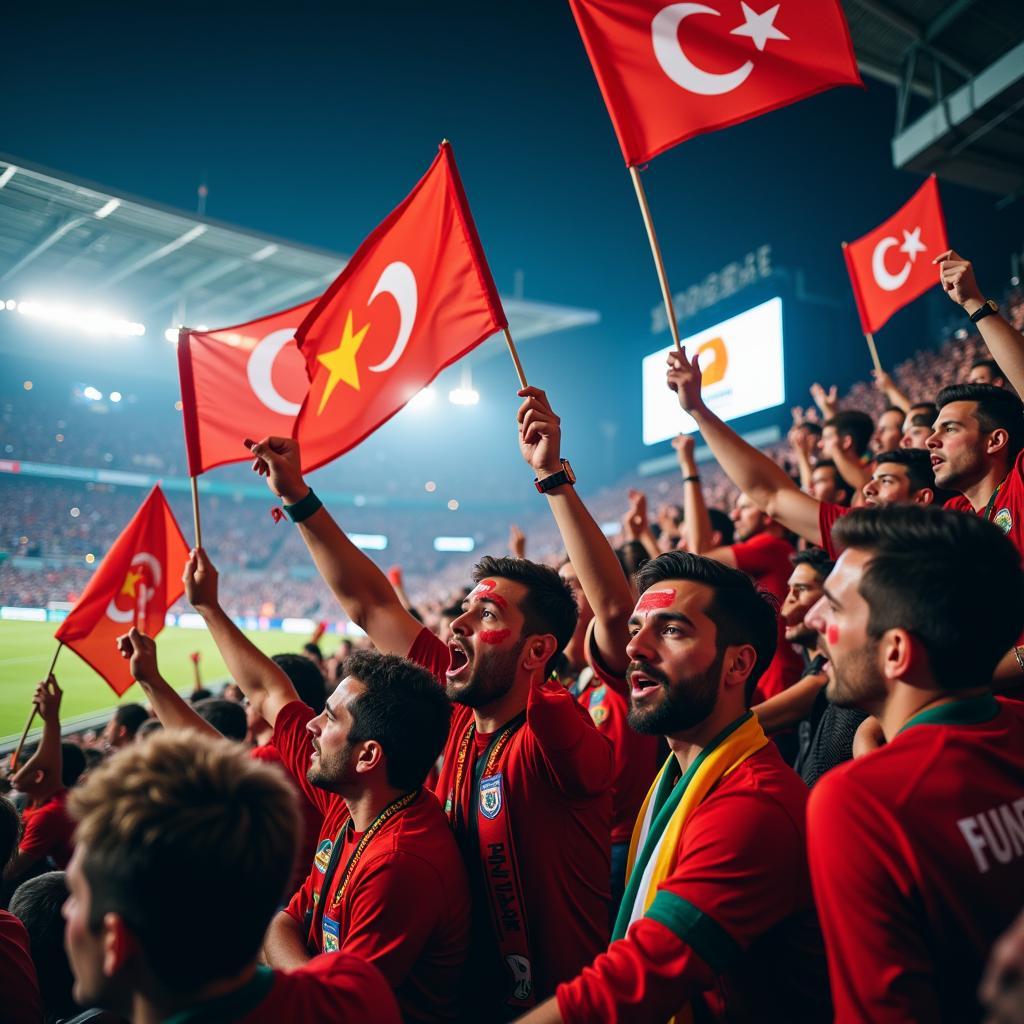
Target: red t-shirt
733,925
21,1002
636,755
48,831
557,778
312,819
766,558
406,908
917,859
1008,508
339,987
828,515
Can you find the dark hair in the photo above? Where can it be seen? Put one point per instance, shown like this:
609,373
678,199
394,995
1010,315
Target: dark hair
313,650
952,579
918,464
307,679
632,556
549,605
199,695
130,716
742,614
10,832
841,484
722,522
924,419
991,365
817,558
404,710
893,408
812,427
995,408
37,904
148,727
226,716
924,409
72,764
854,424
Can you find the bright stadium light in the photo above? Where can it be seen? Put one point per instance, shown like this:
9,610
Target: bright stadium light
423,399
93,394
454,543
8,173
171,335
107,209
11,304
115,396
92,321
369,541
464,396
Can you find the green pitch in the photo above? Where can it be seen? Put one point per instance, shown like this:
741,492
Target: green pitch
26,649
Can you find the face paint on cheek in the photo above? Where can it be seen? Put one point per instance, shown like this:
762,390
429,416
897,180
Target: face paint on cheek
494,636
654,600
832,633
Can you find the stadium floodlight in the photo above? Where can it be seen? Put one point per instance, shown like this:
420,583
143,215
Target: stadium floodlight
464,396
107,209
93,394
11,304
423,399
171,335
369,541
264,253
115,396
92,321
454,543
8,173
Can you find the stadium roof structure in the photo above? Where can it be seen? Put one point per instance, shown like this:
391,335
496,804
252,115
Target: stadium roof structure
958,66
162,267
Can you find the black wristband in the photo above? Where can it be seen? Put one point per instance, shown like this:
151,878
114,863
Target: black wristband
303,508
691,479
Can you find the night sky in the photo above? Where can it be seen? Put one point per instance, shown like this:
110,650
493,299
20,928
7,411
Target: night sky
311,122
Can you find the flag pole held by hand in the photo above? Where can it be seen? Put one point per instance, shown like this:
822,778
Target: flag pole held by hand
32,716
190,424
515,357
659,263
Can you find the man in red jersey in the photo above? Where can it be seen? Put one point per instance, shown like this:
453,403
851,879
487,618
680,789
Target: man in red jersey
526,777
917,849
184,849
606,602
387,881
718,906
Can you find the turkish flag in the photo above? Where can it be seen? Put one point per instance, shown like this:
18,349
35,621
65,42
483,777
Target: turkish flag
892,265
239,382
669,71
134,586
416,296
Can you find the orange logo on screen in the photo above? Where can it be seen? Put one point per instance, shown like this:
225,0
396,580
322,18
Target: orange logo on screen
714,371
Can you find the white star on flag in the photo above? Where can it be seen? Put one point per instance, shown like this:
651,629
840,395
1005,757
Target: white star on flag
760,27
912,244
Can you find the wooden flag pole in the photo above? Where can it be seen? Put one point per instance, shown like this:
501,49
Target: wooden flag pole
195,511
659,263
515,357
870,339
32,717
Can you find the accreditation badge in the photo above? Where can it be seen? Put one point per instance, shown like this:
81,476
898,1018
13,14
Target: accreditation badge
331,935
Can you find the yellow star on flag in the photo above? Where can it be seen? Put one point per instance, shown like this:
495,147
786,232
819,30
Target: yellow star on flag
131,581
341,362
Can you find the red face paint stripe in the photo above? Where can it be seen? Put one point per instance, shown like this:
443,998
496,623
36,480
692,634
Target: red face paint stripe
486,589
494,636
655,599
832,634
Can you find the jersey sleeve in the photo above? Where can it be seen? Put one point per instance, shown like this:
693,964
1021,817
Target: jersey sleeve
563,745
302,901
430,653
828,515
43,831
339,986
610,679
292,739
759,555
878,962
740,872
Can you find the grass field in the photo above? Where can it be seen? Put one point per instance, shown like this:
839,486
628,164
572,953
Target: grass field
26,649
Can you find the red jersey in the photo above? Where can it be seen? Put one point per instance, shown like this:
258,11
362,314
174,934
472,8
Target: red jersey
405,907
1007,508
339,988
21,1002
917,858
557,781
636,755
312,819
732,927
49,832
828,516
766,558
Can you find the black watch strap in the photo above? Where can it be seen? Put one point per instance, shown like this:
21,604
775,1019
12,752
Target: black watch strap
564,476
987,308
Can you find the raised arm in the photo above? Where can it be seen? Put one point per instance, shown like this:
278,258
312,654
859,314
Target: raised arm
265,685
765,483
695,509
1006,344
168,705
636,524
801,443
40,774
363,591
885,384
597,567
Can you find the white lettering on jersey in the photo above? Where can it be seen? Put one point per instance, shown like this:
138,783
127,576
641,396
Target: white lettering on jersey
997,834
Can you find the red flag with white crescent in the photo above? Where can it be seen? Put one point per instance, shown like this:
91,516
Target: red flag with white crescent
135,585
416,296
892,265
239,382
669,71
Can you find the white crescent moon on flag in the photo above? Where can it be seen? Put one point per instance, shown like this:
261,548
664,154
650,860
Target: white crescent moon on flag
142,558
260,369
674,62
890,282
398,281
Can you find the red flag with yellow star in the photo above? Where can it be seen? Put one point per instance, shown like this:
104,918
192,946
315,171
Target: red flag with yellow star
134,586
416,296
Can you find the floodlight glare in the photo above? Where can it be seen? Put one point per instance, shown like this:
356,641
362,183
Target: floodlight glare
92,321
422,399
454,544
107,209
369,541
463,396
93,394
171,335
115,396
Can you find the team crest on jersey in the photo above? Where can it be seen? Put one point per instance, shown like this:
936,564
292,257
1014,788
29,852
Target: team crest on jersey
1004,520
599,715
332,936
522,975
323,855
490,796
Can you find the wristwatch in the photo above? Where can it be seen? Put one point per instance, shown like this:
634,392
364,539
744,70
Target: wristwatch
564,476
987,308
